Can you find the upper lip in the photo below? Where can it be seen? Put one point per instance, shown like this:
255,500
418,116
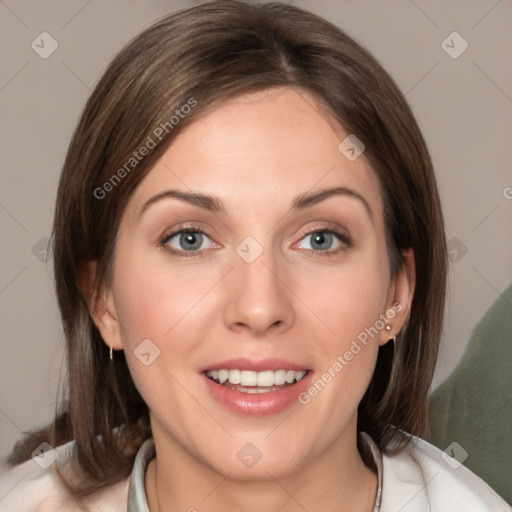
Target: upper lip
255,365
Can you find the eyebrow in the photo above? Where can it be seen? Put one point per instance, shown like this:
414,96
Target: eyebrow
195,198
214,204
306,200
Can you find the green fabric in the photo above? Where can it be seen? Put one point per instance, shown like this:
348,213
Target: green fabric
473,407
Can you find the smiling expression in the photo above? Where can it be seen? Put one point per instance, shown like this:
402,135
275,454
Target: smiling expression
252,255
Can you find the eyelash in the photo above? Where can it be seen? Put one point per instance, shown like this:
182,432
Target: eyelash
344,238
185,254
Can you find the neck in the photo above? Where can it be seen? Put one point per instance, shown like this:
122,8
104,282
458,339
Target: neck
337,480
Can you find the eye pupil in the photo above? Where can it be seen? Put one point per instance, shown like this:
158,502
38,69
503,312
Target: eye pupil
191,241
321,241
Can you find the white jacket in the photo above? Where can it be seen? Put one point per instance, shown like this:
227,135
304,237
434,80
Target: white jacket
419,479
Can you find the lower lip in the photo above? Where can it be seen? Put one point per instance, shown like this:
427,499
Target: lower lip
257,404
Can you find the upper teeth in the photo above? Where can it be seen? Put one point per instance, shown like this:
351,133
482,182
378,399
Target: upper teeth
248,378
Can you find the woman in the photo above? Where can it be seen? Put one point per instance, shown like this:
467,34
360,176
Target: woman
250,264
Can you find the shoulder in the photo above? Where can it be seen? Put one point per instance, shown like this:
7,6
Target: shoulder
34,486
422,477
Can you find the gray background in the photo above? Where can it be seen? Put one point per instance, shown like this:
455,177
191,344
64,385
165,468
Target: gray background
463,106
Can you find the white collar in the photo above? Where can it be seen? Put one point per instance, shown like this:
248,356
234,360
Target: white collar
137,500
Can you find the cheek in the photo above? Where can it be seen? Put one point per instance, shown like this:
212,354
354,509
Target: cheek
154,303
152,298
350,298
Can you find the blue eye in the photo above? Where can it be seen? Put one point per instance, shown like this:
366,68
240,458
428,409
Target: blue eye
322,241
187,241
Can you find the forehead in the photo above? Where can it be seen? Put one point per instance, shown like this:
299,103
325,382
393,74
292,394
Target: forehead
259,151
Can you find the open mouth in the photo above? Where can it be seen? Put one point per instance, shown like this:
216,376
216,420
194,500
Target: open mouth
247,381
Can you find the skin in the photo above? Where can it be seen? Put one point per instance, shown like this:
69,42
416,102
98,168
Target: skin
256,154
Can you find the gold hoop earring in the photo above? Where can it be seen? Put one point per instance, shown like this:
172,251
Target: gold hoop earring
111,354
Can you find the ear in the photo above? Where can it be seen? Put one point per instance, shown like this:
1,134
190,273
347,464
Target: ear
400,295
100,302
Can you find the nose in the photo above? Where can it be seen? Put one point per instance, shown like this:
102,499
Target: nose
258,300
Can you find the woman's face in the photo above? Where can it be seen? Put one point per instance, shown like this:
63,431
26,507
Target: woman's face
253,254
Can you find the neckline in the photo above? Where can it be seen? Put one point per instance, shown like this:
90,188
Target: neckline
137,500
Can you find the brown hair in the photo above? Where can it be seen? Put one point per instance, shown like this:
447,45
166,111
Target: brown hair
202,56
